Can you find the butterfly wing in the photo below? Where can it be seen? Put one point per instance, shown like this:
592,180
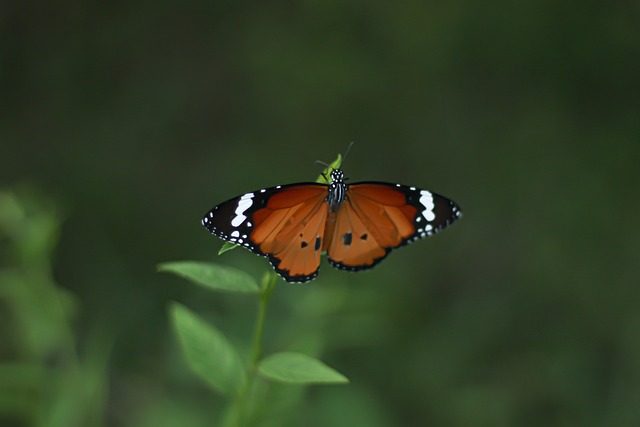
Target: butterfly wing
284,223
377,217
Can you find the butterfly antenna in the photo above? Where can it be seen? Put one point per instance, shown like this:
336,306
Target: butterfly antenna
344,157
320,162
346,153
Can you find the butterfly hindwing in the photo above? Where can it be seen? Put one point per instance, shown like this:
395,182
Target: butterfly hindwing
377,217
284,223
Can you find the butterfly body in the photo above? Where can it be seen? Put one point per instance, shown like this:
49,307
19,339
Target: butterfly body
357,225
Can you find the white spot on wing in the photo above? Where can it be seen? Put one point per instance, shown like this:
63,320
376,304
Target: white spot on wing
426,200
235,234
244,203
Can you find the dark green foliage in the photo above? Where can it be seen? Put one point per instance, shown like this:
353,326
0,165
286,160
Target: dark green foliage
215,360
47,379
137,117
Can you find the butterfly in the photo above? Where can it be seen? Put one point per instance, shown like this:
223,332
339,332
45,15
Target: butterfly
357,225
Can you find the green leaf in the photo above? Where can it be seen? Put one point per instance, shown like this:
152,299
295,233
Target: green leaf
299,369
208,352
324,176
227,247
212,276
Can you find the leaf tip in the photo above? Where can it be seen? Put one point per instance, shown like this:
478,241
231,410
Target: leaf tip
228,246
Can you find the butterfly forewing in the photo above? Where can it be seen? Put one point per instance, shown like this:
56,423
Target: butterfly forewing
378,217
284,223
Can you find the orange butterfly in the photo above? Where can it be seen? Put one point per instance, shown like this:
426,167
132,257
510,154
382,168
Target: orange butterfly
357,225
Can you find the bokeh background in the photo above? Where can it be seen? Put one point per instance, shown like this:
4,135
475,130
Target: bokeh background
123,122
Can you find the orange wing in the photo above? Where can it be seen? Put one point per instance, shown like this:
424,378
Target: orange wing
378,217
284,223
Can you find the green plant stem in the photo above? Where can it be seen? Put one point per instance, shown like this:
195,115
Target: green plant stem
236,415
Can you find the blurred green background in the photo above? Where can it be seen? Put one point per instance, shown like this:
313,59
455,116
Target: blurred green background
123,122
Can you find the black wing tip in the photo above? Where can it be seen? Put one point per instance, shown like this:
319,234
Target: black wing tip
449,212
456,209
210,228
207,222
456,214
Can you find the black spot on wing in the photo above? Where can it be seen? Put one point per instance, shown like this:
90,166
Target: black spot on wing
347,238
304,245
318,244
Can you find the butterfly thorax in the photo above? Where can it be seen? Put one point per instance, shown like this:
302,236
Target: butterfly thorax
337,190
